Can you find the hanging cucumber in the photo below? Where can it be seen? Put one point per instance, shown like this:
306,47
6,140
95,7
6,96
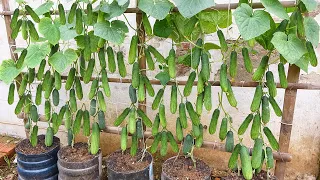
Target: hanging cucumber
229,142
146,24
77,122
121,117
173,142
257,153
272,140
41,69
79,23
179,131
162,116
223,129
214,121
16,29
89,14
233,64
193,115
275,106
173,100
89,71
124,135
265,110
105,83
111,60
195,131
164,141
155,126
135,75
149,59
155,143
19,105
187,144
234,157
270,161
93,107
223,78
95,139
207,101
205,67
20,60
86,123
34,136
49,137
199,140
199,104
196,53
57,80
256,99
146,121
132,121
32,30
55,97
72,13
24,29
172,63
133,49
200,84
101,120
148,86
245,163
183,115
256,125
93,88
282,76
72,100
23,84
102,102
258,74
244,126
102,58
157,54
78,87
157,99
132,94
270,84
62,14
188,87
33,14
68,118
121,66
14,18
11,93
70,78
247,60
230,96
222,40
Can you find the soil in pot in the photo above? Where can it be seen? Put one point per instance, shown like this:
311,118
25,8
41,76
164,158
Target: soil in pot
26,148
260,176
124,166
183,168
79,153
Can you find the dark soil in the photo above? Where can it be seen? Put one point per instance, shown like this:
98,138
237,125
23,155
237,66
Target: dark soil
79,153
25,146
124,162
261,176
183,168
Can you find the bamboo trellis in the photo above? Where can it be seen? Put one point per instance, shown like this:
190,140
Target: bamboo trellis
282,157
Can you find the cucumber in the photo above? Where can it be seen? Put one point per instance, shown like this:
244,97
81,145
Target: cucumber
14,18
155,143
89,14
155,126
223,129
19,105
21,58
16,29
33,14
223,78
207,101
133,49
270,160
121,66
89,71
61,114
162,116
31,74
156,54
282,76
257,153
173,100
132,94
111,60
102,102
135,75
11,93
172,63
255,129
23,84
105,83
149,59
272,140
245,163
47,110
234,157
72,13
183,115
199,103
173,142
247,60
275,106
95,139
196,53
87,47
32,30
102,59
233,64
229,142
79,23
70,137
41,69
101,16
72,100
28,103
86,123
77,122
134,144
179,131
55,97
222,40
146,24
70,78
34,136
49,137
199,140
258,170
193,115
164,141
157,99
121,117
93,107
188,87
67,118
93,88
139,129
200,84
62,14
230,96
205,67
124,135
195,131
24,29
187,144
244,126
312,54
55,123
78,87
34,113
255,104
101,120
270,84
265,110
132,121
82,64
214,121
258,74
146,121
57,80
49,89
148,86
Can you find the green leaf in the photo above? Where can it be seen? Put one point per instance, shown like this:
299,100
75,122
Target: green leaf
49,30
311,27
192,7
67,33
290,47
303,63
113,32
36,52
209,46
44,8
311,5
61,60
251,24
8,71
158,9
114,9
162,28
276,8
210,20
122,2
163,77
185,60
93,42
183,27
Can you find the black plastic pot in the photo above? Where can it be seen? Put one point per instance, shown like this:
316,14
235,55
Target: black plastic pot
88,170
143,174
38,166
168,164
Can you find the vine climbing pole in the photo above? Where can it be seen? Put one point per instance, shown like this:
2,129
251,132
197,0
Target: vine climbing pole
287,119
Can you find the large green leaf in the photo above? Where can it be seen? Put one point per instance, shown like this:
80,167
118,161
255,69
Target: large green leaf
162,28
192,7
158,9
61,60
49,30
303,63
210,20
67,33
311,27
163,77
113,32
311,5
44,8
36,52
114,9
290,47
122,2
251,24
8,71
276,8
183,27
